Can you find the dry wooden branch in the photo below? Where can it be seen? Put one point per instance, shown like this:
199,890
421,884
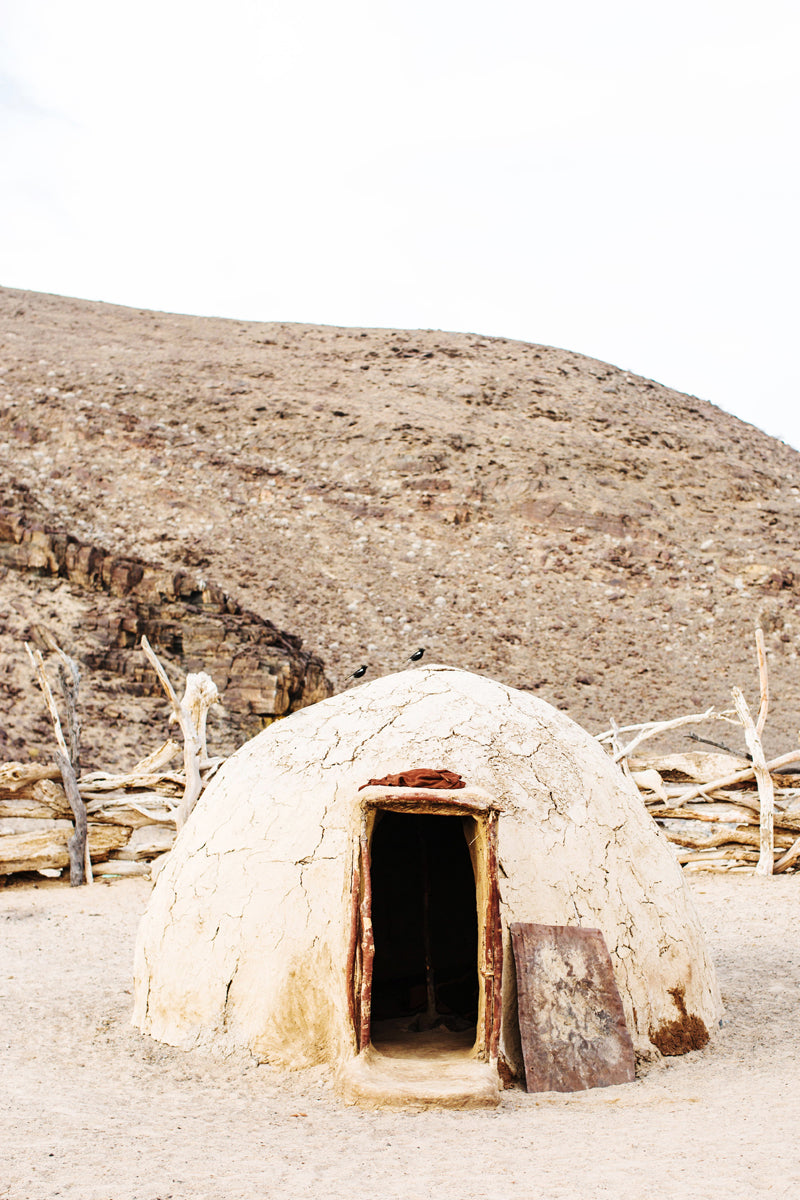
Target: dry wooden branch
80,866
766,794
723,807
725,781
69,678
51,848
15,777
699,857
763,677
783,822
788,859
695,814
138,810
125,867
139,813
167,783
158,759
653,728
728,837
190,713
646,726
650,780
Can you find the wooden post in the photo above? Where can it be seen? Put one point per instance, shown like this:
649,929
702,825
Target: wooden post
429,1019
190,714
367,941
80,866
766,794
352,943
69,678
494,937
763,677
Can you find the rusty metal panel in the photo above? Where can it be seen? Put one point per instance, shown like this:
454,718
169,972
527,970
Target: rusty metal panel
571,1019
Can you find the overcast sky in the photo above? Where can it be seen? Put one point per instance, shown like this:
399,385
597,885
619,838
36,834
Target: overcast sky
618,178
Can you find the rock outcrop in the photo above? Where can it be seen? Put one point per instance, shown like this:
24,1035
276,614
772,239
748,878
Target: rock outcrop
101,605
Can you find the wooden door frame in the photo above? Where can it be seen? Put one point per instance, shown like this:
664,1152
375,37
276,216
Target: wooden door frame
361,943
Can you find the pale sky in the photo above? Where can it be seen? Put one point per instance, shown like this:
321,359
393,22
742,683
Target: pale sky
621,178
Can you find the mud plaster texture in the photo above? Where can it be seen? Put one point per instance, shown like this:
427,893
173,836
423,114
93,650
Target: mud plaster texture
92,1110
244,943
553,521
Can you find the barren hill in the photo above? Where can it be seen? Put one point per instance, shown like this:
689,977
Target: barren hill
543,517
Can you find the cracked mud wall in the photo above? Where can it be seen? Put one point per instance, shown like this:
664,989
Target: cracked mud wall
244,942
584,851
234,947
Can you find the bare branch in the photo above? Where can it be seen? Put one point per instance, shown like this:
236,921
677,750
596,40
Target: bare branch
190,713
162,675
645,726
766,793
764,682
655,727
37,662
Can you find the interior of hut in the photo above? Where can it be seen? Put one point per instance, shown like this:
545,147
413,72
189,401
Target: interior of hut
425,922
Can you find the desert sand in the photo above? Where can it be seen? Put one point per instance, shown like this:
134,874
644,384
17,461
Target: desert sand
91,1110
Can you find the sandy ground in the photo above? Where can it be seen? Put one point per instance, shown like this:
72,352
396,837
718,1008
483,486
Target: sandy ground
93,1111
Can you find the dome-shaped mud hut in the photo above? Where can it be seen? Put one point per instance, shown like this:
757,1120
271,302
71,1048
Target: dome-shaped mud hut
312,919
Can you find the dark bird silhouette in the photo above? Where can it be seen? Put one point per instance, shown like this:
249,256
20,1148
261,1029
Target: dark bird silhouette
417,655
358,674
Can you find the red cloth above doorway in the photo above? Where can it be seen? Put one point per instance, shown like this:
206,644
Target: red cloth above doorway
421,777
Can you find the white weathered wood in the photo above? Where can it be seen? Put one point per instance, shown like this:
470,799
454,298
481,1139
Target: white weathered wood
766,860
15,776
650,780
733,837
9,825
789,858
693,766
50,848
159,758
725,781
651,729
167,783
731,854
763,678
43,799
37,662
190,713
148,842
123,867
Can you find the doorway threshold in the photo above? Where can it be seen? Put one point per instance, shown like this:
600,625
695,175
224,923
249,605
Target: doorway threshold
434,1069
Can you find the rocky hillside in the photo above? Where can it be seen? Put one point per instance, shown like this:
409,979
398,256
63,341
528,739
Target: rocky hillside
523,511
101,605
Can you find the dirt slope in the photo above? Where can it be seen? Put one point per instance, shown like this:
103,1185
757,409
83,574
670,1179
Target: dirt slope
519,510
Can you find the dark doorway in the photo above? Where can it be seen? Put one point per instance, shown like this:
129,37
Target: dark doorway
425,922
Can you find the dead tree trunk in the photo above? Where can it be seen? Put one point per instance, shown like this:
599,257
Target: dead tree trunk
80,864
190,714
